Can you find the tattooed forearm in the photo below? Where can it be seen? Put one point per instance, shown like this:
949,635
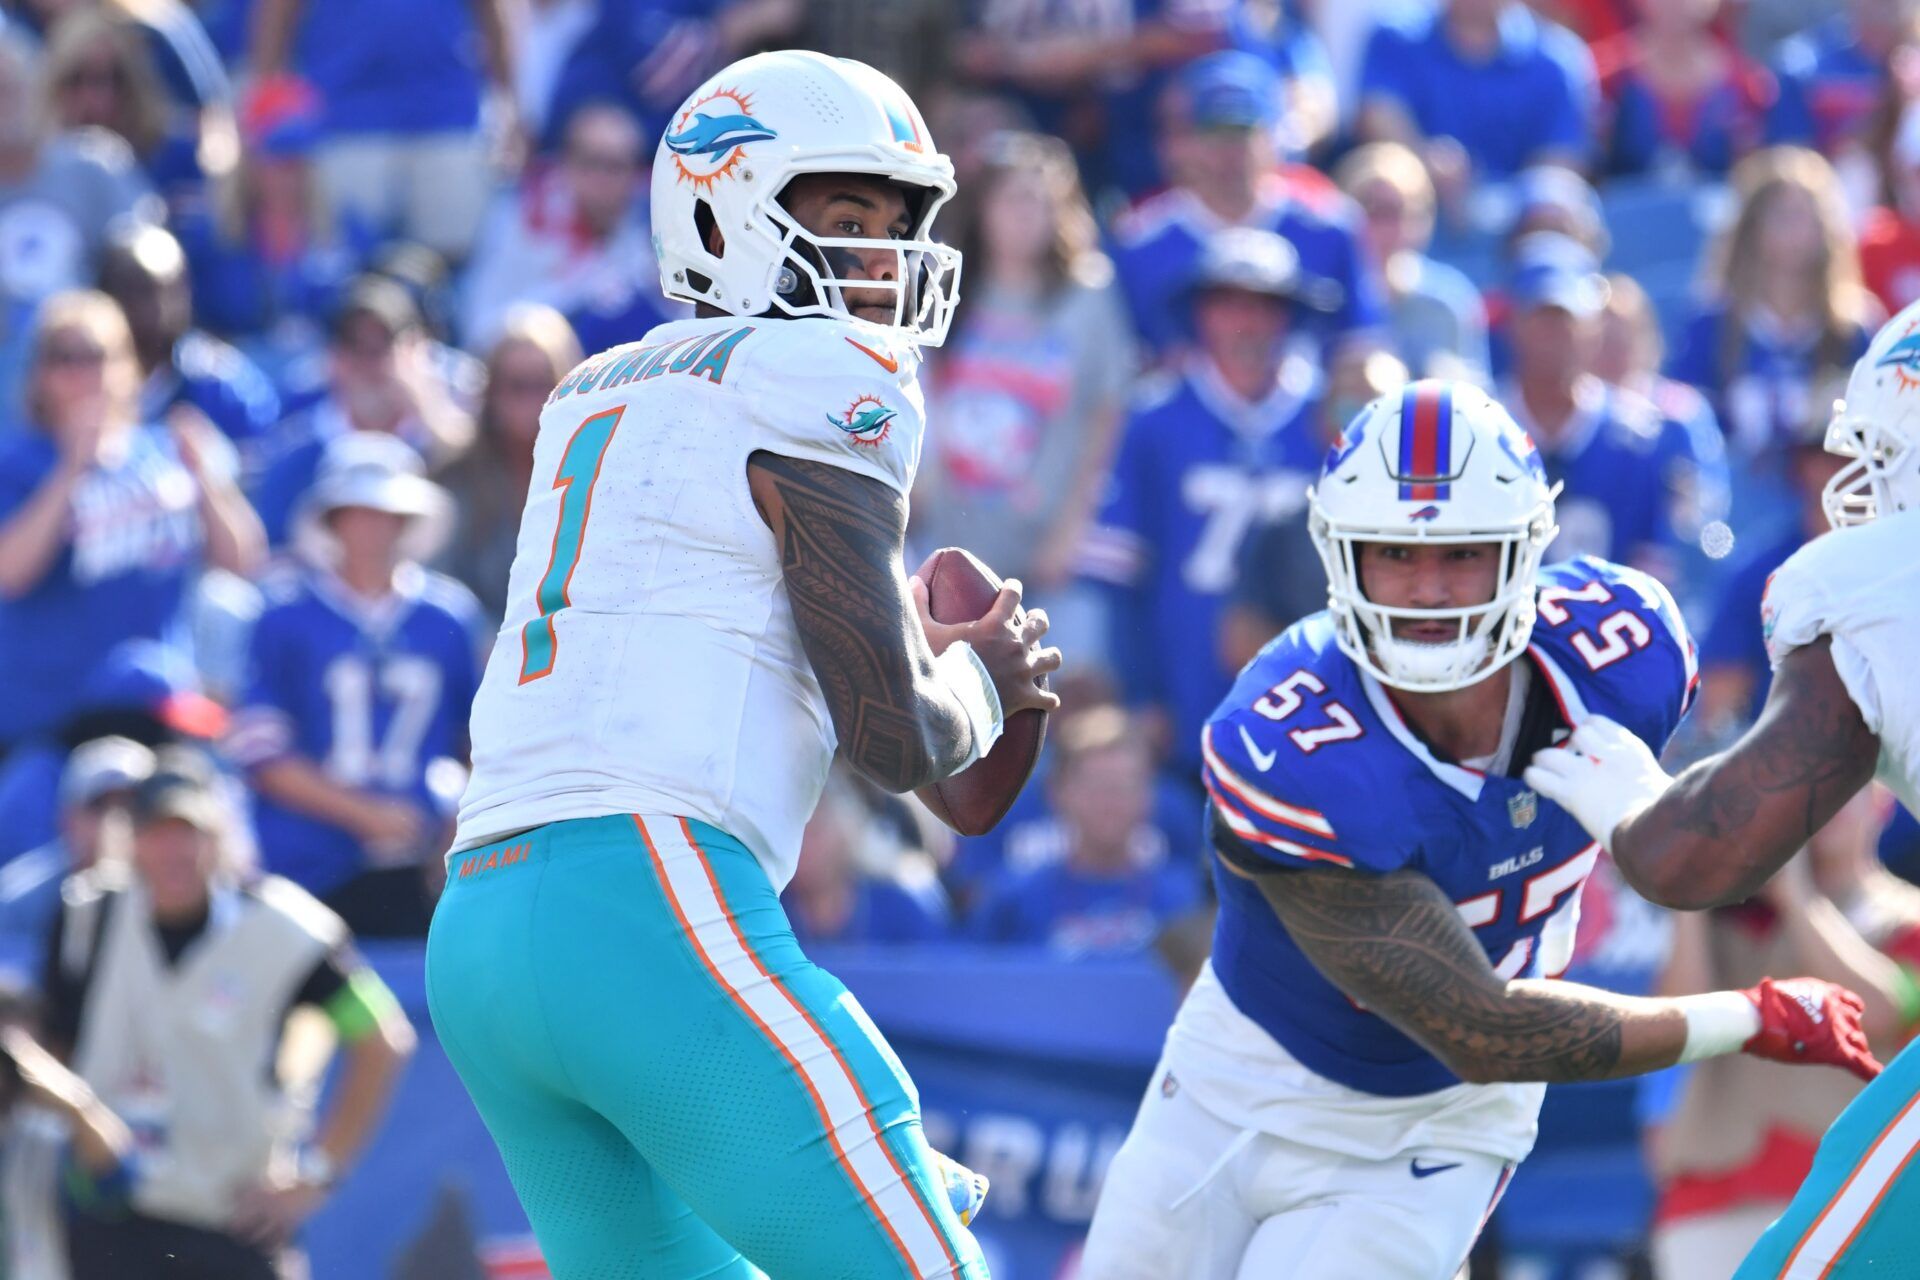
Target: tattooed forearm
1396,944
839,536
1732,820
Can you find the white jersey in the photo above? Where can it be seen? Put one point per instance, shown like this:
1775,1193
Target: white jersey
649,661
1861,586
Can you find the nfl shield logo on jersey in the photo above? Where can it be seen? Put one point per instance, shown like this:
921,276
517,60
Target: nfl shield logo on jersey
1523,808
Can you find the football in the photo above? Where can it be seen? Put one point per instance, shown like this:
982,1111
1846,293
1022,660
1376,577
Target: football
972,802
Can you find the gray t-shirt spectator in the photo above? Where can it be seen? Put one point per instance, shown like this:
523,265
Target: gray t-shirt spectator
1016,394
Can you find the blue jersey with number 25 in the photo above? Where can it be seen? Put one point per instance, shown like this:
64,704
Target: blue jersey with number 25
1309,764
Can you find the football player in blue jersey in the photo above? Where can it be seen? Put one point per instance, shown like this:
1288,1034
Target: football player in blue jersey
1208,456
1353,1077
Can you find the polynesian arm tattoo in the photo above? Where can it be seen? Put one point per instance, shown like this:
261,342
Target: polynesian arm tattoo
1732,820
840,537
1395,944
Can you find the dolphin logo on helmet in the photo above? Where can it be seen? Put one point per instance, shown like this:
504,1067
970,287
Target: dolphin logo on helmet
713,136
733,148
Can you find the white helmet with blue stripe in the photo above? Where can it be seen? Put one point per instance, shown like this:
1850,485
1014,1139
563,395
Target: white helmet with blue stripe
1878,427
1435,463
729,152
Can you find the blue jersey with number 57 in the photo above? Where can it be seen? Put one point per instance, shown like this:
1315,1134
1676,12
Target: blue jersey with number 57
1309,764
374,693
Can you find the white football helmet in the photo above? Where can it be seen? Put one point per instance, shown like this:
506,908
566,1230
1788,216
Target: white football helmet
1437,462
731,149
1878,426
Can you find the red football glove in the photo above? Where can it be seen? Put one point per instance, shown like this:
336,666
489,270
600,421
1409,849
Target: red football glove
1805,1020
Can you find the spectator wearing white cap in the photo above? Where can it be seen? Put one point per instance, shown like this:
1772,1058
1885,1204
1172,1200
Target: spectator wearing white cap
94,788
169,993
362,669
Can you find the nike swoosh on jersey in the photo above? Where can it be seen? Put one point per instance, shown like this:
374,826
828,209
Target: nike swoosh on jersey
1262,760
1427,1171
890,363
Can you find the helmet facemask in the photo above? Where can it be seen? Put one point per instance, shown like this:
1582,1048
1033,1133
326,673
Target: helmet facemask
1487,635
807,274
1882,478
813,274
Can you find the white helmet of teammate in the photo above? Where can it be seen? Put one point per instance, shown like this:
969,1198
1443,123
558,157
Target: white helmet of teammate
730,151
1434,463
1878,426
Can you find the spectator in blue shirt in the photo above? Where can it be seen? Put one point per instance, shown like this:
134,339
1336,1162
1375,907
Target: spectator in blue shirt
1481,89
1436,321
362,671
1212,451
855,884
1112,892
144,270
1833,76
95,786
400,86
575,237
382,377
1638,491
268,263
105,520
1221,149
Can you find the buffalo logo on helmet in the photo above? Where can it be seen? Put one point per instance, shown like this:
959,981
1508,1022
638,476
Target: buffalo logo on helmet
710,137
867,421
1428,512
1903,357
1519,446
1344,445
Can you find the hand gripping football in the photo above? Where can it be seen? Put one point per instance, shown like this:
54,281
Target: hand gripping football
972,802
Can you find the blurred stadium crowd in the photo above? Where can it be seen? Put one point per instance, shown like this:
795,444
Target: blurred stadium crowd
284,285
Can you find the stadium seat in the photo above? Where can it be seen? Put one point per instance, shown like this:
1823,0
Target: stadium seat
1659,225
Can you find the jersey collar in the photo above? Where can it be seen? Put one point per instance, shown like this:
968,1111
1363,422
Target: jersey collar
1465,781
1589,410
377,618
1254,419
1468,782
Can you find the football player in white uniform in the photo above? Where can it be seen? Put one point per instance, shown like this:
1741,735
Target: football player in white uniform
708,599
1841,617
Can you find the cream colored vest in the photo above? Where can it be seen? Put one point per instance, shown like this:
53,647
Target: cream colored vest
182,1052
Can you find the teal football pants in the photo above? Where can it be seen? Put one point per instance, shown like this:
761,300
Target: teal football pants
677,1092
1858,1213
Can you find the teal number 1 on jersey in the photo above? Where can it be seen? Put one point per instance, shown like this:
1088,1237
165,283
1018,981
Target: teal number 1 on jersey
579,470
